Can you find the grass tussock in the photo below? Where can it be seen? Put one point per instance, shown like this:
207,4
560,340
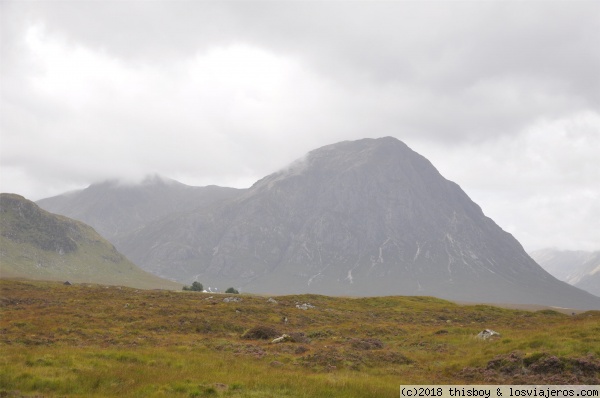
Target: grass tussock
100,341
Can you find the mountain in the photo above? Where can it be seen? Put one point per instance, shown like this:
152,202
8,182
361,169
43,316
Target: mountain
36,244
578,268
367,217
116,209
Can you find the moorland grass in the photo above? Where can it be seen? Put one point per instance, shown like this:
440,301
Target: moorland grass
101,341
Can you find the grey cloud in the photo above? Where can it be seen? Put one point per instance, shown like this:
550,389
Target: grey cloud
455,80
441,50
131,30
531,59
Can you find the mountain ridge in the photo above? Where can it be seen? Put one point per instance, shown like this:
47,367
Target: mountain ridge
117,208
578,268
367,217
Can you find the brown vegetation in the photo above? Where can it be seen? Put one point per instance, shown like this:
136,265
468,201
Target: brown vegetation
92,340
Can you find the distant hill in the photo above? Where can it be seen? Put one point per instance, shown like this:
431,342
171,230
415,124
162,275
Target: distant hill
116,209
578,268
36,244
368,217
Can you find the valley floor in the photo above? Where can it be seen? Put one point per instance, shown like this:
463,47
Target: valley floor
100,341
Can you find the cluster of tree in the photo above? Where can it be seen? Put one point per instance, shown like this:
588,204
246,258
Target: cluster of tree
197,287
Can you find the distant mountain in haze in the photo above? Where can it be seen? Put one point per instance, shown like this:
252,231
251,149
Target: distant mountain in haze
368,217
116,209
36,244
578,268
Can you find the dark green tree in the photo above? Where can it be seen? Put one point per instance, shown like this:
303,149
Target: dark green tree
232,290
196,287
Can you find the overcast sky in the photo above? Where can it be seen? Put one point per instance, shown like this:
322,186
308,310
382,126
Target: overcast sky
502,97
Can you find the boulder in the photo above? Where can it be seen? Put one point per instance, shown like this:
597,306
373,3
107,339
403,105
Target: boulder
487,334
281,339
304,306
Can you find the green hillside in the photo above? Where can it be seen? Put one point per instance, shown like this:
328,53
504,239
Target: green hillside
35,244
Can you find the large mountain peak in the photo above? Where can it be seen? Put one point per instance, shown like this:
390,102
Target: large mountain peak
349,175
343,157
366,217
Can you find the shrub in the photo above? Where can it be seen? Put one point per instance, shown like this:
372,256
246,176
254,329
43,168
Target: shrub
232,290
299,337
320,334
366,344
261,333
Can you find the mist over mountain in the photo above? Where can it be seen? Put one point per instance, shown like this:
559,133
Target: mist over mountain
36,244
367,217
116,209
578,268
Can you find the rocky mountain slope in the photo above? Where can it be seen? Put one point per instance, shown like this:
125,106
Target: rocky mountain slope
368,217
578,268
36,244
115,209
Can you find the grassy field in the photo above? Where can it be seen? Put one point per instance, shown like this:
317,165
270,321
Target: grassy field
100,341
